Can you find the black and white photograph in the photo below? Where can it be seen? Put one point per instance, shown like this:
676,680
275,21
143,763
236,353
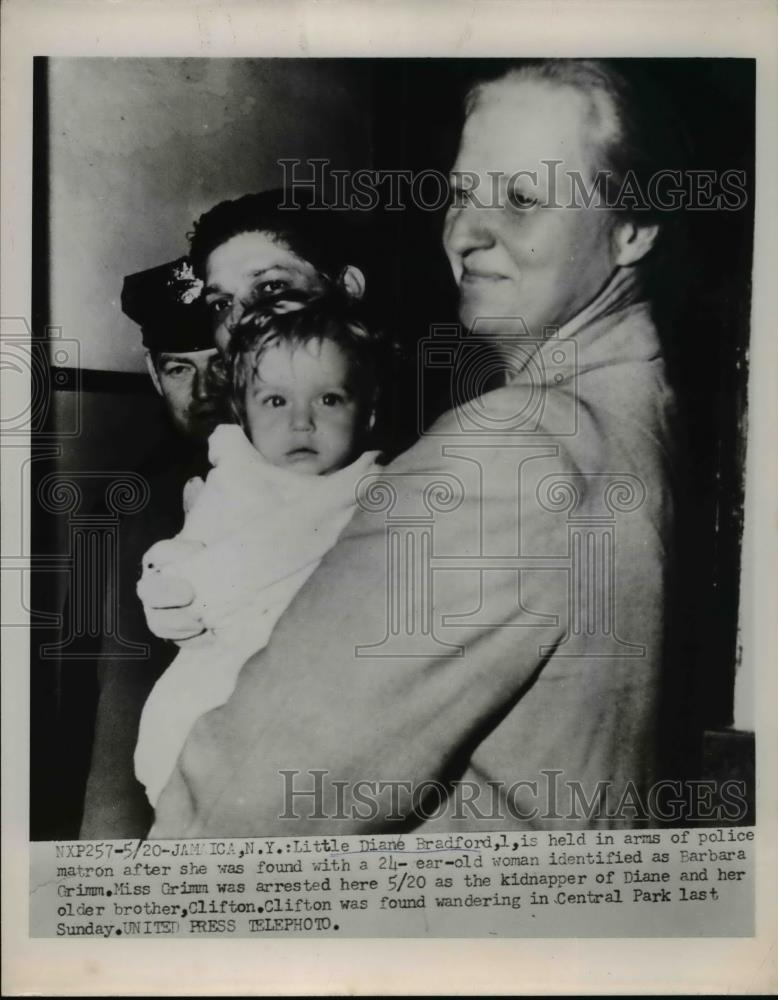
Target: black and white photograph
524,558
386,470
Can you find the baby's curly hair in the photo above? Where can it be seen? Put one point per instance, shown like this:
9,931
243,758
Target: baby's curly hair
299,318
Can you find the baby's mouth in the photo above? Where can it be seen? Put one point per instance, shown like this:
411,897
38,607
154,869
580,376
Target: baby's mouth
302,452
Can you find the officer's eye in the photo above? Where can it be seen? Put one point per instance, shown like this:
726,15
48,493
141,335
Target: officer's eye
177,371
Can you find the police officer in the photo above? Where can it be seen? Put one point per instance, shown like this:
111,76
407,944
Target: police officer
186,370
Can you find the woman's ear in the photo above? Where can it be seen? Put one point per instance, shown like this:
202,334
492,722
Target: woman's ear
352,281
632,241
152,369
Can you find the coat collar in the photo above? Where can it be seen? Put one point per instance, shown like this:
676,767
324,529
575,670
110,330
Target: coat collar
615,327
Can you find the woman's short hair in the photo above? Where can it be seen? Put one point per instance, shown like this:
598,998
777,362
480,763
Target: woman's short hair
636,134
324,237
632,123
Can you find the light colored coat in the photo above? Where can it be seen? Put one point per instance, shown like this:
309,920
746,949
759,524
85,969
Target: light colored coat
546,676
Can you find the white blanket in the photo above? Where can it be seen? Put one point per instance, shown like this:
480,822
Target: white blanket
263,532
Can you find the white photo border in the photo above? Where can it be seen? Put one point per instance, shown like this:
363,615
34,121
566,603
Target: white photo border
338,28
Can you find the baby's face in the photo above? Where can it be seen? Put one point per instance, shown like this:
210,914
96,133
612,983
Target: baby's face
300,413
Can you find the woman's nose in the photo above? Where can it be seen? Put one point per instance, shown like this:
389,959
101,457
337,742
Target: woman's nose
237,309
468,227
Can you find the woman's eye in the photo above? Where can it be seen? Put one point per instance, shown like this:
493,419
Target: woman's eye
217,306
518,199
274,285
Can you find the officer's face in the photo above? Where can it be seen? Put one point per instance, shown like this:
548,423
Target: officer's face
525,259
192,383
246,267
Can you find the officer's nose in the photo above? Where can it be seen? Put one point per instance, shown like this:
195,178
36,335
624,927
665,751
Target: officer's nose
202,389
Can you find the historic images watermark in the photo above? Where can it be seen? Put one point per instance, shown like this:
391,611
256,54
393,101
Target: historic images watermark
90,563
666,190
550,797
413,506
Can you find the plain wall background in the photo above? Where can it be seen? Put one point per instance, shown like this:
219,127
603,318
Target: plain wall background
139,148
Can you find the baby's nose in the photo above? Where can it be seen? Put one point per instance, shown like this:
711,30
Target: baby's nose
302,417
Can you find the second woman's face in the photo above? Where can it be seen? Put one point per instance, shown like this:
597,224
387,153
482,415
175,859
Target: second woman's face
245,267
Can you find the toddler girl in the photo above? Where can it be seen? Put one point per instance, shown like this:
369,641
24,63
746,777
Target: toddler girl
282,488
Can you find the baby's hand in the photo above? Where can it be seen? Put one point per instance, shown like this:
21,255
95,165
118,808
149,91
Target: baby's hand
191,492
167,598
169,550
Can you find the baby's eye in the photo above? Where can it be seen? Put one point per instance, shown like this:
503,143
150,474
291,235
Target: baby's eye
332,399
274,401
